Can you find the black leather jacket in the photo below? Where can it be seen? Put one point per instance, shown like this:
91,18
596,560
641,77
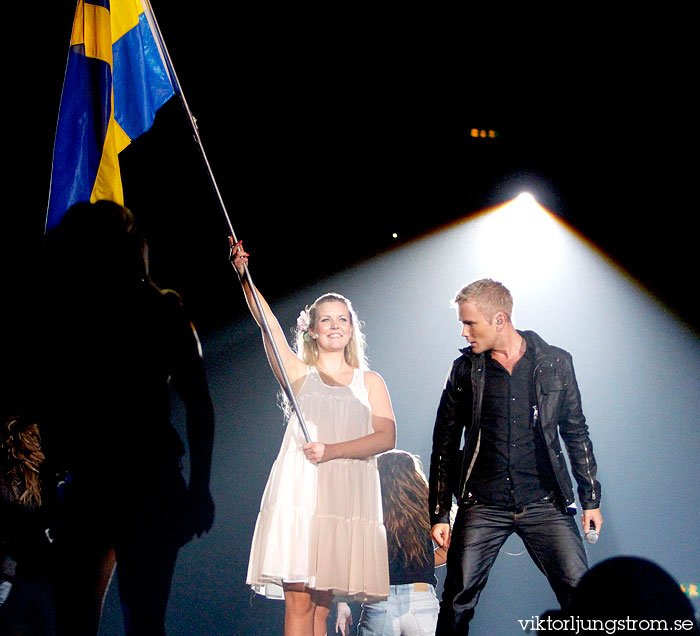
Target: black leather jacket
558,413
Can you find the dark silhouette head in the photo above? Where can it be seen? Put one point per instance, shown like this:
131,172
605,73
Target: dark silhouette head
633,587
96,242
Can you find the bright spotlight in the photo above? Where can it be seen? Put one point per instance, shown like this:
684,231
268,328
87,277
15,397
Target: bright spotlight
526,198
519,239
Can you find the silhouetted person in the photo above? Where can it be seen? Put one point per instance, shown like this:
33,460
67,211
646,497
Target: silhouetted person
26,599
110,343
625,594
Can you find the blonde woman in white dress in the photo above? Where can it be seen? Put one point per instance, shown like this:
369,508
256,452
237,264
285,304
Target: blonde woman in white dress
319,534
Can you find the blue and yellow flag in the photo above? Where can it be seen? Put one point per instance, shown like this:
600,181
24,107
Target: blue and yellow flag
115,82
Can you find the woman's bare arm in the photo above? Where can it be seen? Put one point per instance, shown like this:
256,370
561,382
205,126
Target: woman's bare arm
293,366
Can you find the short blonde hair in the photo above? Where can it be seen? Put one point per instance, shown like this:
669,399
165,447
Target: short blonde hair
489,296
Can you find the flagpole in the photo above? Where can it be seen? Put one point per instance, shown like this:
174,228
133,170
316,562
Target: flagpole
165,56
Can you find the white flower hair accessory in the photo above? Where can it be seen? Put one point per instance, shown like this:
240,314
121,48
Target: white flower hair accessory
304,320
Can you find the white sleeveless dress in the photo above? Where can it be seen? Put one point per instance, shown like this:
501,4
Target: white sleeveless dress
321,525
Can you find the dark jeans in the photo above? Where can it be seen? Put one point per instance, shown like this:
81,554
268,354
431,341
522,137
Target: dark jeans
550,536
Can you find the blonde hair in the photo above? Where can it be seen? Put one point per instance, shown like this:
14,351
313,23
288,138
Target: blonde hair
489,296
20,458
306,347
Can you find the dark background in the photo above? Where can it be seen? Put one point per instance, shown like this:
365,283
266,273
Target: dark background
329,128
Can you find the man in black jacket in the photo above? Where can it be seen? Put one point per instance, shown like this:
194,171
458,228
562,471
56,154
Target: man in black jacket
510,396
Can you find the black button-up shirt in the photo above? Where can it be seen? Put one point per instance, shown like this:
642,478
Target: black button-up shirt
511,468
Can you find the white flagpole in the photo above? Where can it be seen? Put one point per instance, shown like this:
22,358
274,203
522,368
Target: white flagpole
167,61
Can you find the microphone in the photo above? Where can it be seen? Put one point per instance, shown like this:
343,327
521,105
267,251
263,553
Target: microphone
591,535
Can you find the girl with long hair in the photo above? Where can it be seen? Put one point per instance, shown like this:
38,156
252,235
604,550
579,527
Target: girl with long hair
26,599
412,608
319,533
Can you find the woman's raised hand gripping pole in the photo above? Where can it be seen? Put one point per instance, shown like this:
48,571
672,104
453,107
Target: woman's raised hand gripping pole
282,358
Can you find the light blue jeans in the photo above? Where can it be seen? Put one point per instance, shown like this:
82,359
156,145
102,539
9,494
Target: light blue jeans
410,610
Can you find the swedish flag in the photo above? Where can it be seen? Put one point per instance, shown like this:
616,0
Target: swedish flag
115,82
